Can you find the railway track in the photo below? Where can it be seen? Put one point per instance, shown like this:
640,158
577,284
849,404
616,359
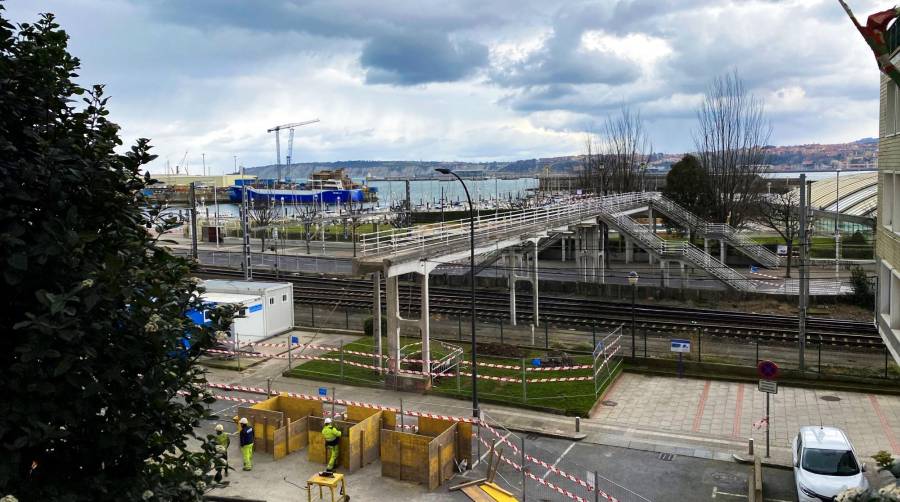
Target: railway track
571,312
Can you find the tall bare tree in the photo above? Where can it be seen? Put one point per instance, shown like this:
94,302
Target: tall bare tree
781,213
625,150
613,160
730,139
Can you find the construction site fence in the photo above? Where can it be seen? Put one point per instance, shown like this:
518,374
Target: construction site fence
529,466
739,346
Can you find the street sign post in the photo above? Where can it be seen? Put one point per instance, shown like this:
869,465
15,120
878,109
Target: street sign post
768,371
681,346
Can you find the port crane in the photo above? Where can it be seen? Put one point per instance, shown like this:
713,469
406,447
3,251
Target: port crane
277,131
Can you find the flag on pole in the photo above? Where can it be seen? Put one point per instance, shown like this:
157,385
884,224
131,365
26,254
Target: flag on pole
874,34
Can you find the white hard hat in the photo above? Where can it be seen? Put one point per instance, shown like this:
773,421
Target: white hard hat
220,428
327,420
244,420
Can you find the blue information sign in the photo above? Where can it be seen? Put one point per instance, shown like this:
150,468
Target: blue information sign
536,361
323,391
295,340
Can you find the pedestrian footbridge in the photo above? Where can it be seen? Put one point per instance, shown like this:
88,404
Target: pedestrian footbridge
518,236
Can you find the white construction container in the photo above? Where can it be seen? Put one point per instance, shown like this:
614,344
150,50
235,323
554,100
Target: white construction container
251,325
276,300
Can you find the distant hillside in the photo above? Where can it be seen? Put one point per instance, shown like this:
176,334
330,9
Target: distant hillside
857,154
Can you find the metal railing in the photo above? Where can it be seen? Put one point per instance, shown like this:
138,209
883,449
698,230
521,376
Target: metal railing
424,239
684,249
731,235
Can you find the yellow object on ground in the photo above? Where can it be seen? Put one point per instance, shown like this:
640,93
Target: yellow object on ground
488,492
247,452
330,482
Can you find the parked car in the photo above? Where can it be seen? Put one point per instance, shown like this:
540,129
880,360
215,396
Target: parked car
825,464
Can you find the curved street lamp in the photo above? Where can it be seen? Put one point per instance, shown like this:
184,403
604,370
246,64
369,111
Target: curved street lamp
633,280
444,170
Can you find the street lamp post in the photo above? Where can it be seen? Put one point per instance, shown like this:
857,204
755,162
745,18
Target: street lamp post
837,225
633,280
444,170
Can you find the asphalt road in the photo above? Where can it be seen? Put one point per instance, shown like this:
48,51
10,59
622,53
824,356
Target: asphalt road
645,473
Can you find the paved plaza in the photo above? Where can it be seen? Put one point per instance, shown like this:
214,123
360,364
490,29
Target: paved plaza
732,412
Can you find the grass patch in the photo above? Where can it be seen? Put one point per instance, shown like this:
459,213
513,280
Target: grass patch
570,398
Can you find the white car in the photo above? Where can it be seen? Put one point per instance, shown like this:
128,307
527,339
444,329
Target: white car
825,464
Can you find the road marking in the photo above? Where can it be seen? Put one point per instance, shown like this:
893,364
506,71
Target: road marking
702,404
738,411
885,426
557,460
716,492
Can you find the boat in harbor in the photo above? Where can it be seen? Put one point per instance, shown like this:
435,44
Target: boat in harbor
323,187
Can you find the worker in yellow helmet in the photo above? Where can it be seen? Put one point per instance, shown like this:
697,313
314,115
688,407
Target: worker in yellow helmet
332,437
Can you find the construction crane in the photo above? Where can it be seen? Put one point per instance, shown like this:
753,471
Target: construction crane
277,131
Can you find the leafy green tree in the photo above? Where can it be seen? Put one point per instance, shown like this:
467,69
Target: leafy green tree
687,184
100,397
863,294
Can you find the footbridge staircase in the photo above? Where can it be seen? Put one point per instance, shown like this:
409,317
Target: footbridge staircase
723,231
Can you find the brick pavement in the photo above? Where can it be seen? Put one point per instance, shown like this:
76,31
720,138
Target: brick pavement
728,410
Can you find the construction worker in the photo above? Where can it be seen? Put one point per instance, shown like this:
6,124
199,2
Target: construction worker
247,444
223,441
332,437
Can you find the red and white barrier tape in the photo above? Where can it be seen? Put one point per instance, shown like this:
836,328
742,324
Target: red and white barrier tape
549,467
342,402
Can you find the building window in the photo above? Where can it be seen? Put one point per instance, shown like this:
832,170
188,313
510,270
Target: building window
886,211
283,298
890,109
271,301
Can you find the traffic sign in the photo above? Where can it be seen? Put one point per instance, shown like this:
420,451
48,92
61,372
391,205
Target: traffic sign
767,370
768,386
295,340
536,361
680,345
323,391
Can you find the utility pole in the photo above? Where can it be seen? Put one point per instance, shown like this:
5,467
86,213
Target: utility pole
804,279
193,196
245,227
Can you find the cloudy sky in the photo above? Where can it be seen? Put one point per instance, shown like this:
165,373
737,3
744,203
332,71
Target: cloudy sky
457,80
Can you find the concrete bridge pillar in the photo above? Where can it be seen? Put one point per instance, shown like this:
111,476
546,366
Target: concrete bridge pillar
706,245
629,250
376,317
723,249
602,253
392,292
562,245
534,284
652,220
425,326
664,272
683,278
510,265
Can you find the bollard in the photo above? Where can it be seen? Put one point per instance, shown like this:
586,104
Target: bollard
750,446
289,352
596,488
577,424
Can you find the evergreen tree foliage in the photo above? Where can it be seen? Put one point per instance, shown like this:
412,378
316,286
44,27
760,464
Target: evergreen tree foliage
100,398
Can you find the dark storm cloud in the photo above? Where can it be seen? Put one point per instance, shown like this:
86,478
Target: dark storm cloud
403,44
418,58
